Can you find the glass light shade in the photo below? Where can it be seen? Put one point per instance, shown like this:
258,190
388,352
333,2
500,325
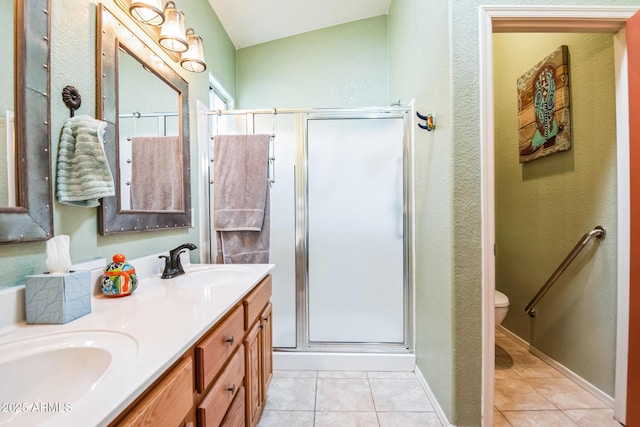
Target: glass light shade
193,59
172,34
147,11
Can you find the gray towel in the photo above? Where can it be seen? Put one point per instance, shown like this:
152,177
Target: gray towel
245,247
83,174
241,198
156,174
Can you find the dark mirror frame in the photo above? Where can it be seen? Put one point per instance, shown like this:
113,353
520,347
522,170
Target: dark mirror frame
112,219
32,219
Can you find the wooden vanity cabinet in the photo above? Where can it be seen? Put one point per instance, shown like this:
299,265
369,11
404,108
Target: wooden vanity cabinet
220,381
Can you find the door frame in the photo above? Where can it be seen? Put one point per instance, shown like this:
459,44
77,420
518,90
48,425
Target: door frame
588,19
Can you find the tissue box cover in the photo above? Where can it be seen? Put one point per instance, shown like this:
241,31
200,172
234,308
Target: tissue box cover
57,298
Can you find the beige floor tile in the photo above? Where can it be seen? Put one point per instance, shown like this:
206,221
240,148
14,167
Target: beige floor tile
295,374
541,371
566,394
505,374
510,345
499,420
342,374
528,365
391,374
513,394
538,419
592,417
286,418
291,394
408,419
346,419
399,395
344,394
524,359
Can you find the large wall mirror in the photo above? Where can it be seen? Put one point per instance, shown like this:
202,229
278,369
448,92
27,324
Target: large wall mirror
25,174
145,104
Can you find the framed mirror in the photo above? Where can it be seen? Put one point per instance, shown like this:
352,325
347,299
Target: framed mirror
25,161
145,104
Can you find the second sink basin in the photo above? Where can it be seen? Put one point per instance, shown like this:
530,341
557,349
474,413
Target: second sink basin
200,275
57,369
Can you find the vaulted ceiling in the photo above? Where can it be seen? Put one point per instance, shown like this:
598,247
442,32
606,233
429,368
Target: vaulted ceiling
250,22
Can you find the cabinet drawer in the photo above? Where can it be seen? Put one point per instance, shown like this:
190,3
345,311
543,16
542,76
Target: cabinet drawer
235,414
254,303
169,401
215,404
214,350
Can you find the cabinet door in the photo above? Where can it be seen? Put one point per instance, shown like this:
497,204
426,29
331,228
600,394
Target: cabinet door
267,349
253,375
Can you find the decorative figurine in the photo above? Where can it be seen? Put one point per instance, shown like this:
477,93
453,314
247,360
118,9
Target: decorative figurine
119,278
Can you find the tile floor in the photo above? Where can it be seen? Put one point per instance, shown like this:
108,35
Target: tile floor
347,399
528,392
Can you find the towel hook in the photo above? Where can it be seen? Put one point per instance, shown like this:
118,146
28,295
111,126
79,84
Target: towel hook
71,98
430,121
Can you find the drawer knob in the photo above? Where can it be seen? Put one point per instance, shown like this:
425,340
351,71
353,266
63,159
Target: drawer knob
229,340
232,389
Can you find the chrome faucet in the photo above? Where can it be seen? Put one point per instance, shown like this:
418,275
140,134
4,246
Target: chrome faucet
172,265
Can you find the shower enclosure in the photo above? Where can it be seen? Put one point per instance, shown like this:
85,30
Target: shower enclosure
341,221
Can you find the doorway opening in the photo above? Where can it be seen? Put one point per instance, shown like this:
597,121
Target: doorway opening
549,19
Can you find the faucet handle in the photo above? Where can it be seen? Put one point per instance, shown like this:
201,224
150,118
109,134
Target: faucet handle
168,267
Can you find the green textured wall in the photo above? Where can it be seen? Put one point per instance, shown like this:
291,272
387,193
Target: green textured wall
342,66
544,207
419,67
73,63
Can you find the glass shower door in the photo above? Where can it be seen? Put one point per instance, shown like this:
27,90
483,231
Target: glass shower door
356,268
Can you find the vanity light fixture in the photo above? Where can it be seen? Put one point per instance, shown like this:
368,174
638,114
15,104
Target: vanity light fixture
147,11
172,33
167,27
193,59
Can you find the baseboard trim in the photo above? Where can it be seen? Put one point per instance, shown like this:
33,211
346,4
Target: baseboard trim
432,398
608,400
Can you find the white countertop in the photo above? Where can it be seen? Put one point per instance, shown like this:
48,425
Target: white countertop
161,317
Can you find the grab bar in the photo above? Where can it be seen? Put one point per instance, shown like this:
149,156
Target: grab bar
598,232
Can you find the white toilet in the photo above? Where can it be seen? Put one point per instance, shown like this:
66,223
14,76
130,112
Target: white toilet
502,306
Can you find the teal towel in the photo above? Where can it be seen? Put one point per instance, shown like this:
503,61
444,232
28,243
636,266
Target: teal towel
83,174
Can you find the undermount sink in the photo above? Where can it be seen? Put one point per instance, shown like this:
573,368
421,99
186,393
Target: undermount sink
200,275
58,369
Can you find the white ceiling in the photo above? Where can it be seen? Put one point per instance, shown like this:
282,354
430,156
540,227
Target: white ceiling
250,22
